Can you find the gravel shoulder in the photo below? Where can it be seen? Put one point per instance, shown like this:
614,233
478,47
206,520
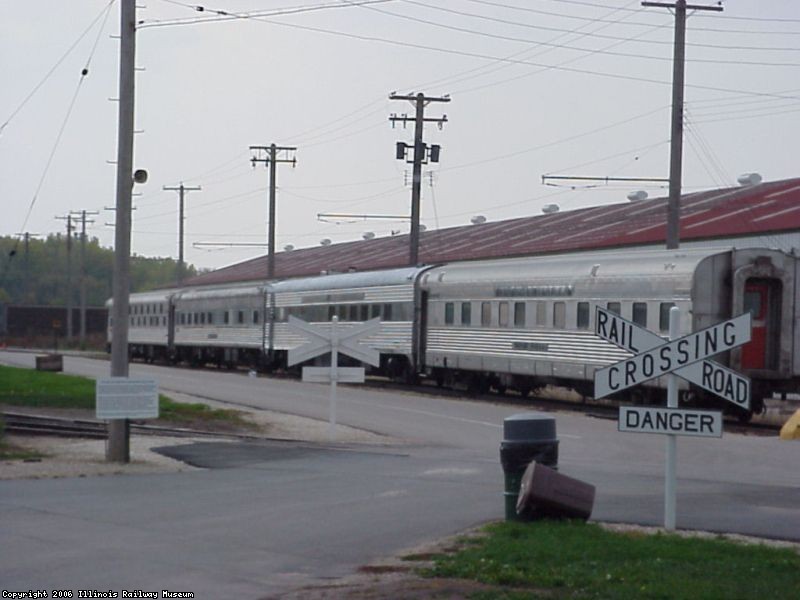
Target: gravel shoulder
69,457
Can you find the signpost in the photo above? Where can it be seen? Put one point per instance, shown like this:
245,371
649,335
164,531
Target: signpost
334,340
685,357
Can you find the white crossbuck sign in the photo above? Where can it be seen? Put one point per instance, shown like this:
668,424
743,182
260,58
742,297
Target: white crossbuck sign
685,357
322,340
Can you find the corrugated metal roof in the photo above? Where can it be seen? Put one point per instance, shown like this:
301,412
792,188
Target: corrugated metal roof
765,208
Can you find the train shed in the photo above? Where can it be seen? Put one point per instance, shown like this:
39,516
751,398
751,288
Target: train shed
755,214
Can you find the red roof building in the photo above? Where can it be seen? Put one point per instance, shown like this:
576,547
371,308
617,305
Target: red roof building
768,211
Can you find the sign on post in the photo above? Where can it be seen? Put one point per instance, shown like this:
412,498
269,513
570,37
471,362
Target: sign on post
701,423
126,398
334,340
686,357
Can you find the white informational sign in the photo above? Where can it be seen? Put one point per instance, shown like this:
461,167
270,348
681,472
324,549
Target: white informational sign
686,357
702,423
342,374
126,398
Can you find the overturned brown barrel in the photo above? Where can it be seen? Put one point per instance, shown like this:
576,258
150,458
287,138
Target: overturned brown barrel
545,492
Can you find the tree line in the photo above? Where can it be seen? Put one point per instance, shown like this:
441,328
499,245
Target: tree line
36,273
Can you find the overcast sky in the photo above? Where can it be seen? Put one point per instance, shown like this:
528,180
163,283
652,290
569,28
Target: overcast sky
537,87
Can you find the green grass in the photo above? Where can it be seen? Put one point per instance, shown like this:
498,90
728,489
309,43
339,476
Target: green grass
552,559
27,387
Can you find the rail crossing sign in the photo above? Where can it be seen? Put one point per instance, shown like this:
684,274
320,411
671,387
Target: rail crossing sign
321,341
334,340
686,357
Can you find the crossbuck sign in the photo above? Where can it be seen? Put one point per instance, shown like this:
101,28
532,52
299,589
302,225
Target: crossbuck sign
335,340
686,357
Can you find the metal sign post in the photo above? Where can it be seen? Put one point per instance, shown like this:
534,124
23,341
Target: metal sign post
334,340
685,357
670,467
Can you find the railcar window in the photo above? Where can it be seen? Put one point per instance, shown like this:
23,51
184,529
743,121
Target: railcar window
363,312
752,304
354,312
541,314
163,321
341,312
559,315
240,317
640,313
466,313
226,318
614,307
502,316
255,317
583,315
519,314
486,314
663,315
210,318
375,311
202,318
387,312
449,313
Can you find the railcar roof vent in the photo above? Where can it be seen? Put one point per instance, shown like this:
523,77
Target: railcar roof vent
549,209
478,220
288,248
325,242
749,179
368,235
637,196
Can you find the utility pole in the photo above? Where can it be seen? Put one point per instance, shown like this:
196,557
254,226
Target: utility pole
421,154
68,219
83,215
269,155
26,265
181,189
676,139
118,448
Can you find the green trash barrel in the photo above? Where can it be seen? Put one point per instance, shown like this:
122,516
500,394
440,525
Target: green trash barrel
526,437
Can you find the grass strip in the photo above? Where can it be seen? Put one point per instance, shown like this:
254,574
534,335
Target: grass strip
568,559
41,389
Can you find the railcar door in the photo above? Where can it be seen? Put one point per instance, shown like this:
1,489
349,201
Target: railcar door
762,300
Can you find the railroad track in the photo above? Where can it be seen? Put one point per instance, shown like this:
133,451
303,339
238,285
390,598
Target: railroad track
91,429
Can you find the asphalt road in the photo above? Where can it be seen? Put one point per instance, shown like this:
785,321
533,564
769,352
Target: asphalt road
267,517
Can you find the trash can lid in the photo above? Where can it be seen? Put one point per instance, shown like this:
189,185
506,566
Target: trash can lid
529,426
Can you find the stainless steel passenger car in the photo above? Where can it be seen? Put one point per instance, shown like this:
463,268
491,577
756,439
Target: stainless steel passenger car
149,324
526,322
224,325
353,298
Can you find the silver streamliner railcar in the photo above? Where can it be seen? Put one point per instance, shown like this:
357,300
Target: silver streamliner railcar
524,323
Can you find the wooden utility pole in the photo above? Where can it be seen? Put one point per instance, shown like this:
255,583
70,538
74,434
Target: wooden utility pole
118,448
68,219
181,189
676,139
269,155
83,214
421,155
